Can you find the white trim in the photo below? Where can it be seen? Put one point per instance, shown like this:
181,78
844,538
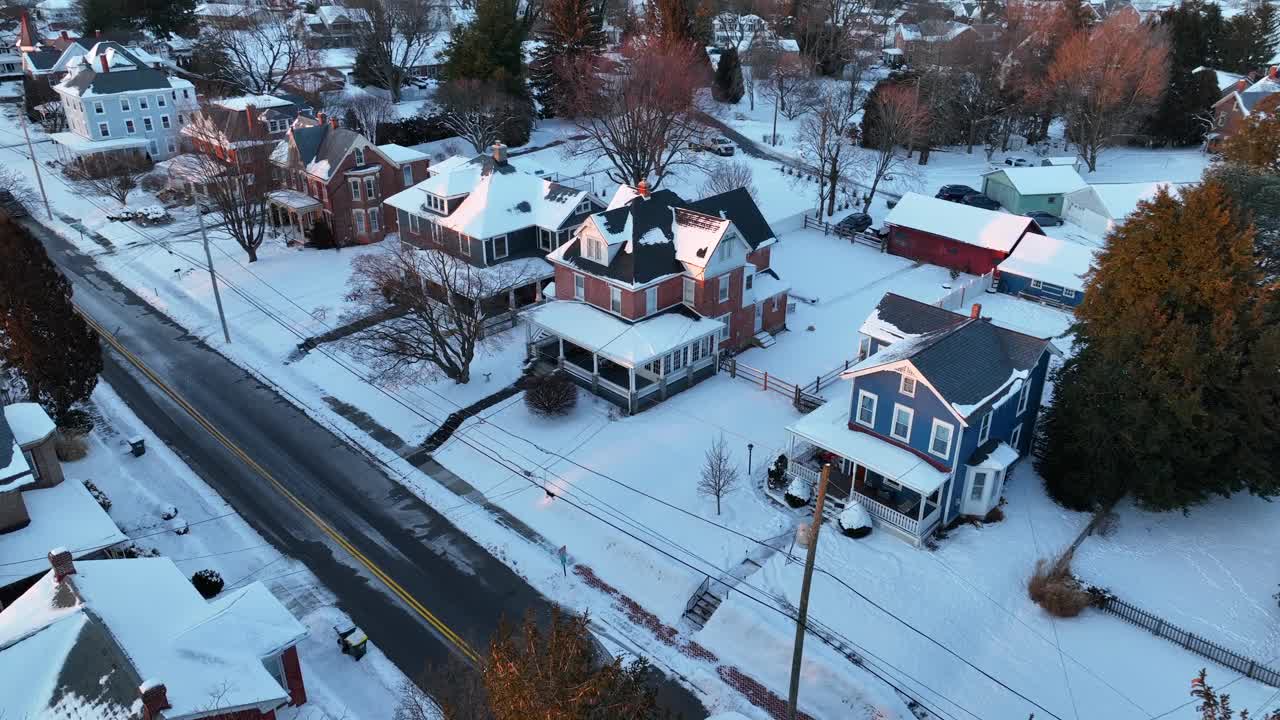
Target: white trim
899,366
951,438
902,385
615,298
857,411
505,249
651,300
1024,395
893,423
984,427
981,496
1015,438
579,286
688,291
722,286
726,326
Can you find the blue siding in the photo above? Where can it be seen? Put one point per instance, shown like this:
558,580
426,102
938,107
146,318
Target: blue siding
1018,285
927,407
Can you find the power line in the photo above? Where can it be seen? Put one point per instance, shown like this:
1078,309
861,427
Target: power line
137,537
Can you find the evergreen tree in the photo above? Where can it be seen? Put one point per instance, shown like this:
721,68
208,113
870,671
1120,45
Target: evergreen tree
163,17
104,15
361,72
1255,195
571,31
727,86
1185,108
1256,144
1196,32
490,48
1172,395
1249,39
46,343
673,25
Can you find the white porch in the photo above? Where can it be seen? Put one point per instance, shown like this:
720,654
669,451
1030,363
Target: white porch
904,492
293,212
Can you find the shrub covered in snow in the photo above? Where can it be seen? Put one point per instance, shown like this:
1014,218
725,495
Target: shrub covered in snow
798,493
854,521
101,497
551,395
76,422
149,215
208,583
778,472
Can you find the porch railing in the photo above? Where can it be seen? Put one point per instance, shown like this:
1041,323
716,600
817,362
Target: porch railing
614,387
877,509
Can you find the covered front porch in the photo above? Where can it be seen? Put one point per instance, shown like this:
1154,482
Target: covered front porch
634,365
293,213
904,492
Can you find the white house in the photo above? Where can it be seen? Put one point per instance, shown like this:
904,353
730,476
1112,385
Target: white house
1099,207
114,102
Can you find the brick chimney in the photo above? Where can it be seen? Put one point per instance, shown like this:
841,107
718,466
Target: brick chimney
500,153
642,189
975,312
1271,72
333,123
97,33
62,563
106,66
250,117
65,36
1242,85
155,698
323,118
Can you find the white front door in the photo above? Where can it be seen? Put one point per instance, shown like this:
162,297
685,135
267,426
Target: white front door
759,316
977,492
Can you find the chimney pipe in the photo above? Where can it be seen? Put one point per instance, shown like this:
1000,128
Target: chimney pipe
1271,72
65,36
62,563
500,153
975,312
155,698
97,33
642,189
106,67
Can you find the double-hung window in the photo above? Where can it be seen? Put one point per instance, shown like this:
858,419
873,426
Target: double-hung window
615,299
687,291
407,173
940,439
725,321
650,300
142,103
907,385
902,417
722,284
1024,395
979,488
147,125
164,122
129,127
355,189
579,287
357,217
375,223
867,408
1015,440
97,107
359,152
464,244
584,206
864,348
747,279
370,188
415,225
402,219
160,101
984,428
499,247
124,105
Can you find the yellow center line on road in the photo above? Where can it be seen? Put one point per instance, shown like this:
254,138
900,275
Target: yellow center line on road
337,537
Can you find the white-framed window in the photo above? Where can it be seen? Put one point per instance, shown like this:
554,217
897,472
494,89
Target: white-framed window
866,414
1068,293
164,122
651,300
375,220
436,203
357,216
687,291
172,146
464,244
147,125
697,353
984,428
160,101
402,219
407,173
1016,438
864,348
902,418
907,385
359,152
355,189
722,285
97,107
724,328
584,206
142,103
579,287
1024,395
129,127
415,225
1036,285
615,299
370,188
940,439
747,279
104,130
979,487
499,247
124,105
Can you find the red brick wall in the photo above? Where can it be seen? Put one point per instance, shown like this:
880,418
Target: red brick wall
774,319
670,291
293,676
760,258
707,296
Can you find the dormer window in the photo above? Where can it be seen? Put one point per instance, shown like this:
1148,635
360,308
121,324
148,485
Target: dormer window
594,250
435,203
584,206
359,152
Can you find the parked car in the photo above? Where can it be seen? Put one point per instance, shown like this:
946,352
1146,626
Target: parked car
720,146
1045,219
980,201
855,223
954,193
1017,161
11,205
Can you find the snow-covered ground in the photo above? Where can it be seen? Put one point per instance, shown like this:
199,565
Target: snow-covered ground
142,488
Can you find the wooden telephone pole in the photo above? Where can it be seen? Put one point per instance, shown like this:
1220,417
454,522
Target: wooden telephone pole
803,616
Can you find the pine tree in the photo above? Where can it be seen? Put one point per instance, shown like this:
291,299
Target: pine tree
1256,199
727,86
1172,395
163,17
46,343
491,48
1182,117
673,25
1249,39
1196,33
104,15
1256,144
571,31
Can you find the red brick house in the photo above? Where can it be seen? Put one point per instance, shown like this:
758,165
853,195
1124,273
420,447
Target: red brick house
954,235
238,130
1241,101
651,291
326,171
130,639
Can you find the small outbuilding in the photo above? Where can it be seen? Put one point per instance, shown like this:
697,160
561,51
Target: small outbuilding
1024,189
1098,208
1046,269
953,235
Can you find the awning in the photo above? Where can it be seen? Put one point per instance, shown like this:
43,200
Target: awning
294,200
828,428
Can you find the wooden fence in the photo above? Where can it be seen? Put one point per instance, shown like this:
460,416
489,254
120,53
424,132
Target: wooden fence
865,238
1190,641
803,401
968,290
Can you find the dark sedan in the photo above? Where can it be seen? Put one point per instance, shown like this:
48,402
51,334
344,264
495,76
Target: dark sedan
854,223
979,200
954,193
1044,219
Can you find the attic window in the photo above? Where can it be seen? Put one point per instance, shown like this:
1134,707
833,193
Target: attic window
584,206
359,156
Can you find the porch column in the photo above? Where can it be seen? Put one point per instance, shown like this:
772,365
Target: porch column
631,396
511,299
537,291
560,340
595,373
924,502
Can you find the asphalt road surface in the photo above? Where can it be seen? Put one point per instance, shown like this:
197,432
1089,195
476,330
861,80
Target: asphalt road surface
458,588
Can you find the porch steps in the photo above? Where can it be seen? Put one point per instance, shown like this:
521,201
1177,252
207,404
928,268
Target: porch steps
765,339
704,606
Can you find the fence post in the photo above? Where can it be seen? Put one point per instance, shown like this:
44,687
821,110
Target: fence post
796,401
733,367
817,384
766,379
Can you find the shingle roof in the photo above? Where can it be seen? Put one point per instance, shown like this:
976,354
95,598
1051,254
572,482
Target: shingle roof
43,59
912,317
141,77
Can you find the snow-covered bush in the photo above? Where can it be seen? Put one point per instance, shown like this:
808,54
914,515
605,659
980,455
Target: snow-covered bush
208,583
551,395
798,493
854,521
778,472
169,512
103,501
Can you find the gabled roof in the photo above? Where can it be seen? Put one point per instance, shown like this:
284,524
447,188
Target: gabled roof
1043,179
963,223
897,317
1060,262
14,471
227,121
972,366
127,73
319,148
42,59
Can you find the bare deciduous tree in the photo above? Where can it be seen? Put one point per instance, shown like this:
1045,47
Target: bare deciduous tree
789,85
1106,80
260,56
477,110
826,141
442,318
758,64
639,116
396,38
899,117
725,175
369,110
719,473
236,184
114,175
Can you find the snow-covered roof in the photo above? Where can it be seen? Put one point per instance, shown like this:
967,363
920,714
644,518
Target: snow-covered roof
1223,78
485,282
158,627
1121,199
1043,179
29,422
964,223
1063,160
258,102
447,165
995,454
627,343
225,10
1051,260
333,13
65,514
400,154
828,427
78,144
58,4
1267,84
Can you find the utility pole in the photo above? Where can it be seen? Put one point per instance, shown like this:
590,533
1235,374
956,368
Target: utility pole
32,152
803,615
213,277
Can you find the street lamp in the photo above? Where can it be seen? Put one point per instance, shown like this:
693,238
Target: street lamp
750,447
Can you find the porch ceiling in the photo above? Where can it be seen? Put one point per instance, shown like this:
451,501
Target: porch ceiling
828,428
